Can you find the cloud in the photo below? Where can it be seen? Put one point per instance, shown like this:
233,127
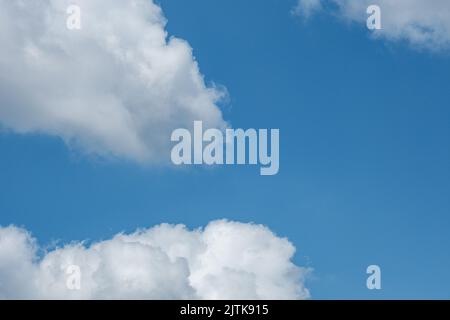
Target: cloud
306,8
225,260
115,88
424,24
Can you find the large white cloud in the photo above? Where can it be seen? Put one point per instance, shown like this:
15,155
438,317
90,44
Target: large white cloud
117,87
225,260
424,24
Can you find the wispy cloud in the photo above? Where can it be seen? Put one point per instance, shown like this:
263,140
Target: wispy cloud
424,24
305,8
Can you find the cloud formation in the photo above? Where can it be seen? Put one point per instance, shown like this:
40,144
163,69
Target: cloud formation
424,24
225,260
305,8
117,87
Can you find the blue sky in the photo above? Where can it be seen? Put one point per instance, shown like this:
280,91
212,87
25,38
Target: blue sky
364,165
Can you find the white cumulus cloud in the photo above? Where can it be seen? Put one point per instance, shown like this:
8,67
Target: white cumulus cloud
424,24
117,87
225,260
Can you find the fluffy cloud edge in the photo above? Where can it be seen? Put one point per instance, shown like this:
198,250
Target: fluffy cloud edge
224,260
114,89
